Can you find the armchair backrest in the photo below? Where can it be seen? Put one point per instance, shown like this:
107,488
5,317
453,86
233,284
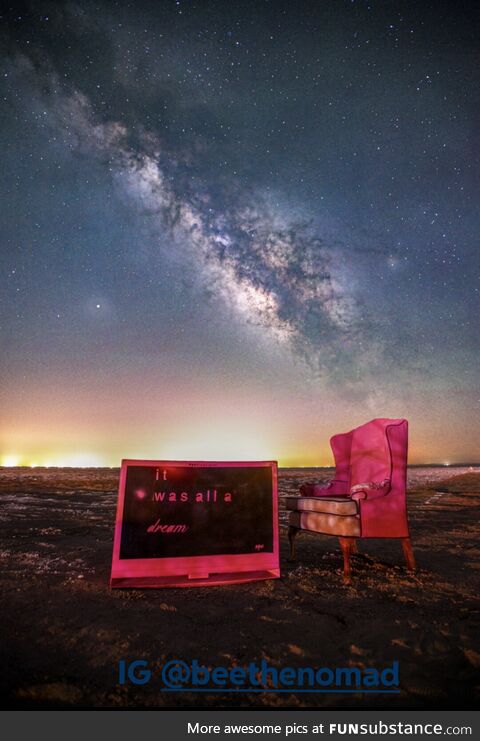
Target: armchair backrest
374,451
377,451
370,459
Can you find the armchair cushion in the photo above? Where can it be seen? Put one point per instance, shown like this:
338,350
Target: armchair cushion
318,522
370,490
331,506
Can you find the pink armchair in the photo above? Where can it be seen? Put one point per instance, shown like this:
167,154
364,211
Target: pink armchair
367,498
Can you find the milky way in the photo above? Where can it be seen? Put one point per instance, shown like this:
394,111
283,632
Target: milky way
268,196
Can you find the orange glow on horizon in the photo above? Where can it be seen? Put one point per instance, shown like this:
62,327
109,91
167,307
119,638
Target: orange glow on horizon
208,419
188,451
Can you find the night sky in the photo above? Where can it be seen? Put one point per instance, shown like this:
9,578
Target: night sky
232,229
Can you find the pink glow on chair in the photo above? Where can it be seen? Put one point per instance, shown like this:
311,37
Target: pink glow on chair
372,461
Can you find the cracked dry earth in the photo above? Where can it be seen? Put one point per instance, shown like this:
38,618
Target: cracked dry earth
63,631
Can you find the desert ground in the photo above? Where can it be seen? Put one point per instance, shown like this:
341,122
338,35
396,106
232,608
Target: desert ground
63,631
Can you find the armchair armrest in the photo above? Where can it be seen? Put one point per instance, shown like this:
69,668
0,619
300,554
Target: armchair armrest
336,487
370,490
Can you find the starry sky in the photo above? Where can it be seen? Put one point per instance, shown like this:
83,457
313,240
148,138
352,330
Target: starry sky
232,229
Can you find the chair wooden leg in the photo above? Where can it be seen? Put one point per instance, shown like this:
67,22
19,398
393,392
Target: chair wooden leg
353,546
345,545
292,534
408,553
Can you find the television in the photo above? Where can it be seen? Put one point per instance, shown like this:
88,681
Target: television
195,523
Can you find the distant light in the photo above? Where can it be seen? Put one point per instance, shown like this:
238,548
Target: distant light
446,463
98,306
10,460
